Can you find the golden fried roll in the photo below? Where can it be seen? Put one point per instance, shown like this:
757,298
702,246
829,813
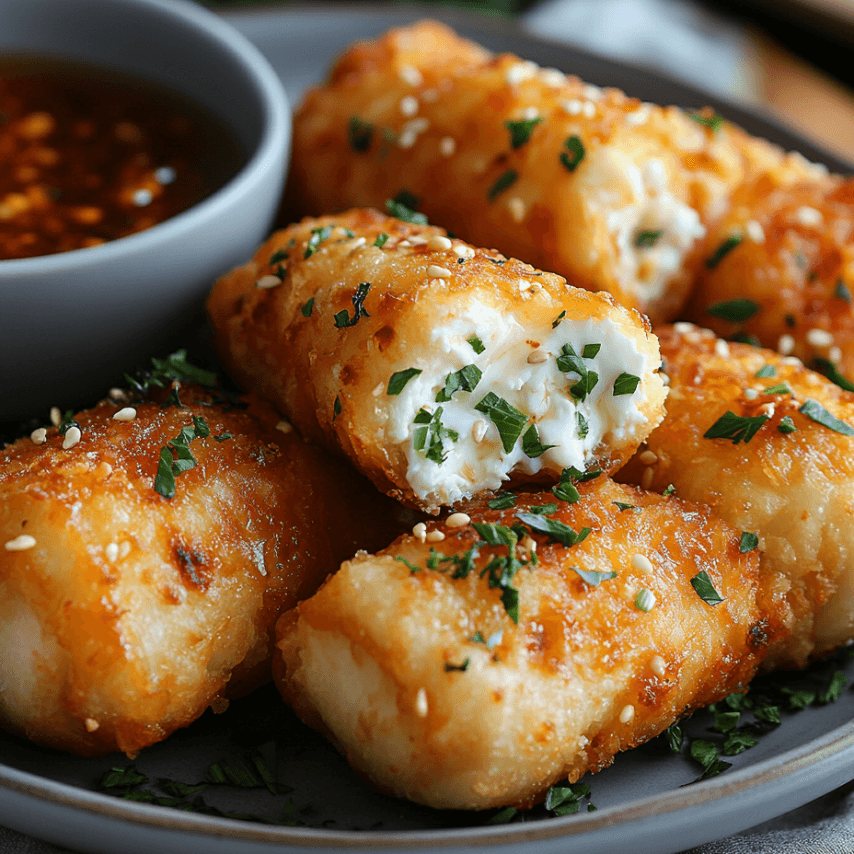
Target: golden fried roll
780,267
124,614
469,671
610,192
769,445
440,370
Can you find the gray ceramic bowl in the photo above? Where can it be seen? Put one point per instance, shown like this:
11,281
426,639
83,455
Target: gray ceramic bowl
70,323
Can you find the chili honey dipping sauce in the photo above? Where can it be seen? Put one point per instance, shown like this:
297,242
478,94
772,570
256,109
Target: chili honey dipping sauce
88,155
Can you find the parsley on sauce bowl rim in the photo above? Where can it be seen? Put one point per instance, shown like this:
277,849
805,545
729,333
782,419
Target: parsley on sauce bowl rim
72,322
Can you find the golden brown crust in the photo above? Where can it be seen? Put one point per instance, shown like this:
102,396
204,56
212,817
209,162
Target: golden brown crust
129,614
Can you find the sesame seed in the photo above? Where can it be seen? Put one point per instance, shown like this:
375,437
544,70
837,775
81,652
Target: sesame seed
447,146
552,77
795,362
627,714
409,106
722,349
420,531
142,197
639,116
529,543
411,75
20,543
435,537
407,139
589,109
165,175
478,430
524,285
458,520
104,469
835,354
754,231
284,426
647,478
72,437
124,549
809,217
91,725
767,409
438,283
537,357
403,243
520,72
118,395
751,393
464,251
268,282
421,703
658,666
665,378
594,93
517,208
642,563
648,458
111,550
819,338
530,113
358,242
572,107
38,436
127,413
786,344
439,242
429,96
683,328
55,416
379,388
434,271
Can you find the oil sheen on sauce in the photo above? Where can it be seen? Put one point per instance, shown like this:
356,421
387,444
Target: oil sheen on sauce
88,155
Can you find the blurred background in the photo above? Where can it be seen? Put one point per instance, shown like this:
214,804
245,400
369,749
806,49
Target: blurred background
792,58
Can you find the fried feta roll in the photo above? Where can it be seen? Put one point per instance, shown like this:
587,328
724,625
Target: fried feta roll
611,193
440,370
475,669
125,613
780,267
769,445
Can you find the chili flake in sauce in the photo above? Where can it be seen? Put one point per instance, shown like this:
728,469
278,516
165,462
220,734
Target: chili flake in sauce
88,155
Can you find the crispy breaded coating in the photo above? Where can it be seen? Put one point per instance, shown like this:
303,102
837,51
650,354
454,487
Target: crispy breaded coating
440,370
611,193
781,467
780,267
125,614
465,675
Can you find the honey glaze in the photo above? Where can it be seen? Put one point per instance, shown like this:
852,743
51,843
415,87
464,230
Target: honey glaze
88,155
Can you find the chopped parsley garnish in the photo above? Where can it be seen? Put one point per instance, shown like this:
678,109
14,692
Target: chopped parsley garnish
570,362
736,310
502,183
398,380
791,322
565,489
721,252
172,399
381,240
543,509
623,506
814,410
564,800
531,444
430,437
224,437
576,153
705,589
674,736
502,501
786,425
176,456
626,384
766,371
404,206
829,370
509,420
557,531
737,428
590,351
465,379
581,425
748,542
593,577
449,668
360,133
557,320
669,490
412,567
336,408
318,235
706,753
841,291
476,344
780,388
478,637
647,239
343,319
123,777
278,255
714,122
520,132
308,308
244,774
744,338
502,570
164,371
504,816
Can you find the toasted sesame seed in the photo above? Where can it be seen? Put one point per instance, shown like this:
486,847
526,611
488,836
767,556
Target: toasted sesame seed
435,537
72,437
439,243
795,362
519,72
589,110
420,531
409,106
438,283
38,436
537,357
447,146
751,393
478,430
124,549
118,395
517,208
642,563
524,285
647,478
809,217
572,106
21,543
639,116
91,725
552,77
434,271
683,328
429,96
722,349
55,416
379,388
284,426
819,338
402,243
648,458
111,550
464,251
658,666
835,354
754,231
594,93
411,75
165,175
458,520
767,409
529,543
127,413
142,197
421,703
268,282
627,714
785,344
665,378
358,242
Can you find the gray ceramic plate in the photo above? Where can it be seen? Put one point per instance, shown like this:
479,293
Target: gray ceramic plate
647,800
